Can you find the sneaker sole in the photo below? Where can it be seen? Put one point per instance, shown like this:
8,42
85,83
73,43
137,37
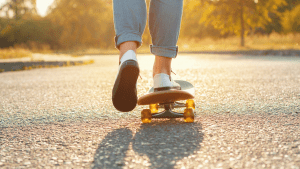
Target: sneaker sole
124,94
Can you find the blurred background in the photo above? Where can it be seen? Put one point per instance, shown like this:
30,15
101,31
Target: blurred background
86,26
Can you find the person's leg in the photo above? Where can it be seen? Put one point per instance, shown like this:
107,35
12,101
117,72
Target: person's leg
164,23
130,19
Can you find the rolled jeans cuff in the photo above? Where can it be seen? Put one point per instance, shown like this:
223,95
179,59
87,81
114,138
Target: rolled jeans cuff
166,51
128,37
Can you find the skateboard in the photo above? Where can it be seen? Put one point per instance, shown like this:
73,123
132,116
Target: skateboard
169,100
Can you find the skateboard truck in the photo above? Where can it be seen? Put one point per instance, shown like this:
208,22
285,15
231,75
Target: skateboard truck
188,115
168,113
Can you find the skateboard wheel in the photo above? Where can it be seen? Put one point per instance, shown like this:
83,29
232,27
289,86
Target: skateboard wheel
154,108
146,116
189,115
190,104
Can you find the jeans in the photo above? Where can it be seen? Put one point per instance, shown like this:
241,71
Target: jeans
130,18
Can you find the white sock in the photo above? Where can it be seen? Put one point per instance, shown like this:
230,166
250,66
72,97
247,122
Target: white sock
129,55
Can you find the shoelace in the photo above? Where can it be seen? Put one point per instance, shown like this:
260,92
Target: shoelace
173,72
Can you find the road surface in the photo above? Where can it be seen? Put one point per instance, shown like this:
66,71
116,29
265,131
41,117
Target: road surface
247,116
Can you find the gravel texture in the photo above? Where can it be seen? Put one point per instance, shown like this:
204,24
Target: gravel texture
247,107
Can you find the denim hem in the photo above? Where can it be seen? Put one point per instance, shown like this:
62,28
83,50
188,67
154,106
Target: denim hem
127,37
166,51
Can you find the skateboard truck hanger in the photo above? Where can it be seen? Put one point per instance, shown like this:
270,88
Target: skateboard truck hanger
168,113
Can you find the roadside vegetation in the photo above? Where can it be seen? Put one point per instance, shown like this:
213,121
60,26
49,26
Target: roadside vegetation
86,27
11,53
274,41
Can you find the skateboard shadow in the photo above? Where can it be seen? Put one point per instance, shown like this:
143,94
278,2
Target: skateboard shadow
167,142
112,149
164,143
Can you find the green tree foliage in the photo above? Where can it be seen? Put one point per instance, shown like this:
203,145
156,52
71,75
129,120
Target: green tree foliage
191,26
80,24
289,5
237,16
85,23
22,26
19,8
277,20
291,20
28,31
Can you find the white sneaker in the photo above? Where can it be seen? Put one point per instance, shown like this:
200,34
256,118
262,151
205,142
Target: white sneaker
124,93
163,82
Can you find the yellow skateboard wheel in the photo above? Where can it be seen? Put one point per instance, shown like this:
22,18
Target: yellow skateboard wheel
146,116
190,104
154,108
189,115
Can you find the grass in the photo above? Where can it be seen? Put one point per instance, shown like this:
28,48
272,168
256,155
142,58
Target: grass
272,42
14,53
257,42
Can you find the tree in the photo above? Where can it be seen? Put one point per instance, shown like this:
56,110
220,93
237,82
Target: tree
192,14
238,16
289,5
291,20
279,23
85,23
19,8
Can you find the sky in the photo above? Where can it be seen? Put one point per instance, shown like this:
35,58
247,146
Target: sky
42,5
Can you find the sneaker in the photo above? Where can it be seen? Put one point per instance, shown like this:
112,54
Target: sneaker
164,82
124,93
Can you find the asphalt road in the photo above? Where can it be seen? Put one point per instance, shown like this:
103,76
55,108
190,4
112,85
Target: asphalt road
247,116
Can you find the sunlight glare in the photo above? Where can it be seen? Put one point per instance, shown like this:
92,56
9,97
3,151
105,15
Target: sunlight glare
42,6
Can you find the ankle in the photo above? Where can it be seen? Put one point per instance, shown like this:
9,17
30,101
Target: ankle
159,71
126,46
162,65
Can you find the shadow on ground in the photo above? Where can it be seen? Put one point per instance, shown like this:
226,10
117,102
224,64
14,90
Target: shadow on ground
164,143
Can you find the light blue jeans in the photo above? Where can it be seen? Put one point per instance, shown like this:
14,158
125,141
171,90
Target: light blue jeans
130,18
